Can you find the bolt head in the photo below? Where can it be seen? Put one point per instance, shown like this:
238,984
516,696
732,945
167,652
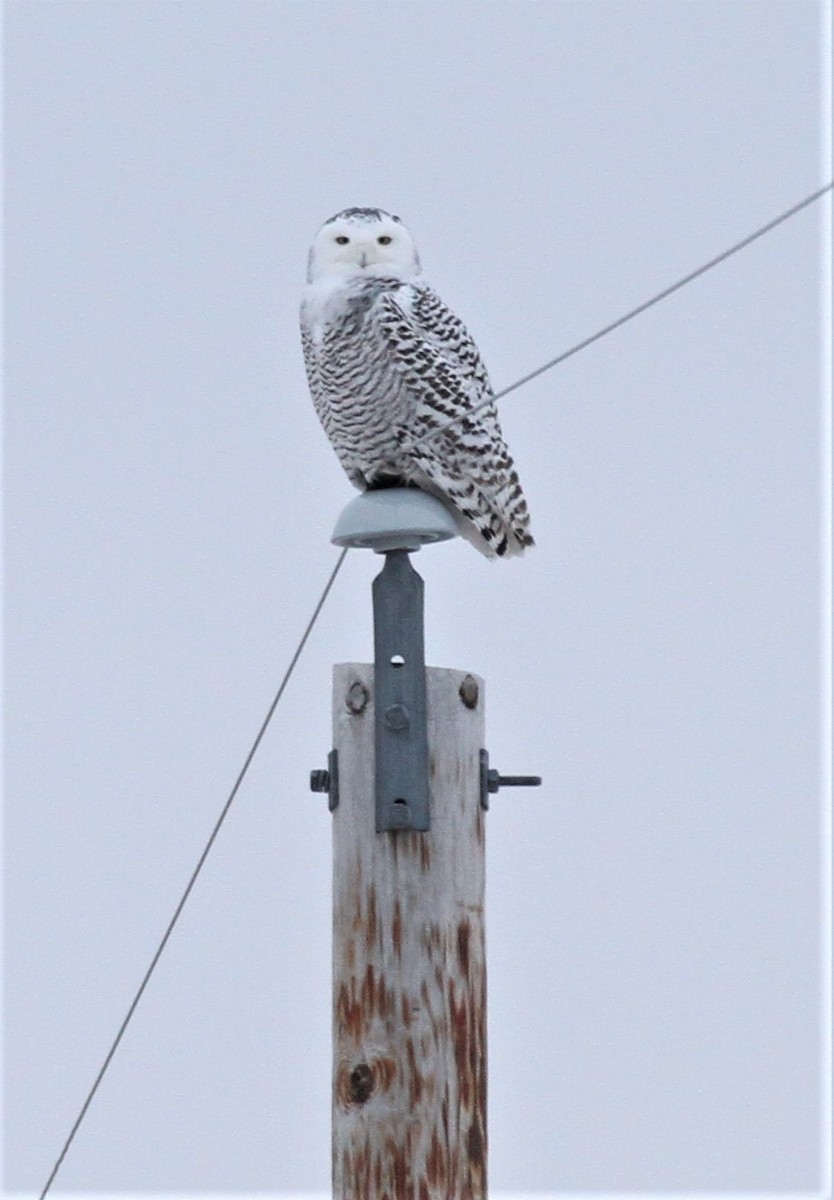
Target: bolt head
320,781
397,717
357,697
468,692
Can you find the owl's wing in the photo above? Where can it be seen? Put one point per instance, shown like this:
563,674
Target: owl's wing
440,364
442,370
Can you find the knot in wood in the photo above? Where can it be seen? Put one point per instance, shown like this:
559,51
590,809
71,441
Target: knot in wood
361,1083
357,697
468,692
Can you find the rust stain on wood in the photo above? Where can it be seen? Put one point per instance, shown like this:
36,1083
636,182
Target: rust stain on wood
397,928
385,1073
372,922
435,1164
397,1153
415,1079
349,1010
464,934
476,1150
432,940
368,993
458,1012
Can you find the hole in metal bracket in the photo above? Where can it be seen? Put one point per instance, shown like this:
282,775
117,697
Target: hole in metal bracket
397,660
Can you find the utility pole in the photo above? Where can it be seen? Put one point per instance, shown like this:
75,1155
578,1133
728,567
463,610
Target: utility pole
408,782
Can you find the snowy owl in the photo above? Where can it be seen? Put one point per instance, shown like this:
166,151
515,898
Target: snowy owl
387,362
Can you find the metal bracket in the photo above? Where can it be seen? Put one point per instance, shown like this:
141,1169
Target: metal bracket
328,781
491,781
401,735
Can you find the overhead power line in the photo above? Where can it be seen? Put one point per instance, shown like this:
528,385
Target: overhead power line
588,341
181,905
630,315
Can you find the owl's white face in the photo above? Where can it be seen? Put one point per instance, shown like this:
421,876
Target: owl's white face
362,241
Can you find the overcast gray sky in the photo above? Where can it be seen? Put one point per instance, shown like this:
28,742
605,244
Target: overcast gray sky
655,946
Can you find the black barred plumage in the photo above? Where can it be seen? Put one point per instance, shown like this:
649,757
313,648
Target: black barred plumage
387,362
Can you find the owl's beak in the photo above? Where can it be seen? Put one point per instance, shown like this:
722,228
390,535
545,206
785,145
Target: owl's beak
363,259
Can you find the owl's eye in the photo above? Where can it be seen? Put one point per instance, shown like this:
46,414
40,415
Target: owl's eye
342,240
384,240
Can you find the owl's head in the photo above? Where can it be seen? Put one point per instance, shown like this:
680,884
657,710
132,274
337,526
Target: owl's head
362,241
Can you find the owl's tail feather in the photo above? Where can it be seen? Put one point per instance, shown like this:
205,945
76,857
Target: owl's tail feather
499,527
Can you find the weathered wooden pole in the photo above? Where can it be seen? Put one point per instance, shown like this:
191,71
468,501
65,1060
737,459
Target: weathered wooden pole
408,781
409,968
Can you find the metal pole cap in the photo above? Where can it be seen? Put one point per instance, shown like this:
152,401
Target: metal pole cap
394,519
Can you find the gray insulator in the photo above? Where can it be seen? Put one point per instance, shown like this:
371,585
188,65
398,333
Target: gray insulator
394,519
